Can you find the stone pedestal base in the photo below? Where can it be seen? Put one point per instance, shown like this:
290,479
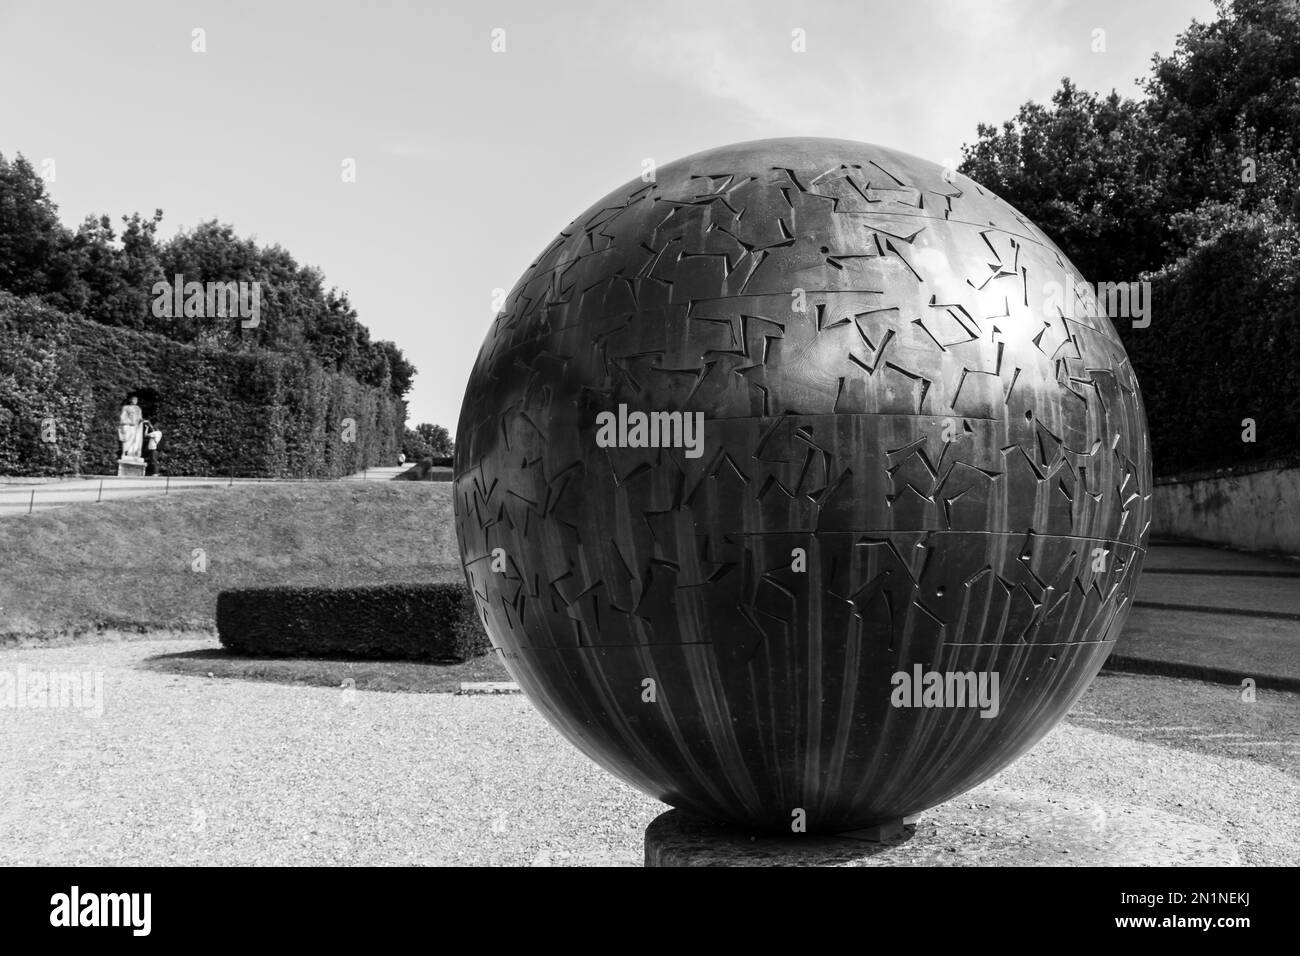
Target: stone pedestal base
984,827
130,467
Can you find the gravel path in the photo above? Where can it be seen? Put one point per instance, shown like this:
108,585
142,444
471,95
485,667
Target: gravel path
183,770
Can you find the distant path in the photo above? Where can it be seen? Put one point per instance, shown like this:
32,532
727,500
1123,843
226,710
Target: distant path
1211,613
18,496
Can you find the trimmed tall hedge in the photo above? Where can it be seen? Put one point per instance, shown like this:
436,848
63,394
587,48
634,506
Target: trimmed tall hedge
1223,346
255,414
413,622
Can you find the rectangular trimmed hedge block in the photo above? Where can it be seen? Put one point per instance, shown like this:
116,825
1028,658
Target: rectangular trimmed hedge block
411,622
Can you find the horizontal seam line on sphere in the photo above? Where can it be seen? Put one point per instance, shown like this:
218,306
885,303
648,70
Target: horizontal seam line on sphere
1029,643
773,418
784,294
819,533
800,415
589,323
1066,537
897,215
1018,534
602,647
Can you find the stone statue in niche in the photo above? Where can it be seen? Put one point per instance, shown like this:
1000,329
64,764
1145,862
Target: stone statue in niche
130,433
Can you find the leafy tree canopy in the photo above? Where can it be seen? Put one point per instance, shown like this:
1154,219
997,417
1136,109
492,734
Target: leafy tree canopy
108,273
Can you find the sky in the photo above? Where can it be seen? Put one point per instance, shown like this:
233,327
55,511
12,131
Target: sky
468,161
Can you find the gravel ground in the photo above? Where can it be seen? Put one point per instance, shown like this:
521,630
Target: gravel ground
190,770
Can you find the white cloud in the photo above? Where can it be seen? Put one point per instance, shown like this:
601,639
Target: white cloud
413,149
781,92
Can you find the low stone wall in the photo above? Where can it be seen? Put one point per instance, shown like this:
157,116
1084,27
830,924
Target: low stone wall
1257,508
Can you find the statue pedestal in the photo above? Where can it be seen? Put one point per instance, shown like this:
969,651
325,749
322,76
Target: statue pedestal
130,467
986,826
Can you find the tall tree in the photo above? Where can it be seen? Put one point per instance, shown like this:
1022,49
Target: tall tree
436,437
1091,171
401,372
111,277
1230,93
1199,183
31,237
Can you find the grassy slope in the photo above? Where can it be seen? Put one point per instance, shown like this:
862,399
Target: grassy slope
126,565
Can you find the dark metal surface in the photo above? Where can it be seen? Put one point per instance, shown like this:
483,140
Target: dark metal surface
965,466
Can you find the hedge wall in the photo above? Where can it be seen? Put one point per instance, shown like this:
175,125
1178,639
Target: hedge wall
250,414
1223,346
420,622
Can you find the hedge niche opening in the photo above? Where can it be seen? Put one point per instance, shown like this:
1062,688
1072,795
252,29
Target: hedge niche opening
411,622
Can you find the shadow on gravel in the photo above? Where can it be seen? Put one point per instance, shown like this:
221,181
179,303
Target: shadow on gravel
405,677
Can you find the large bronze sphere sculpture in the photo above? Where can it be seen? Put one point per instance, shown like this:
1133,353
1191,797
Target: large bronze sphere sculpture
802,484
